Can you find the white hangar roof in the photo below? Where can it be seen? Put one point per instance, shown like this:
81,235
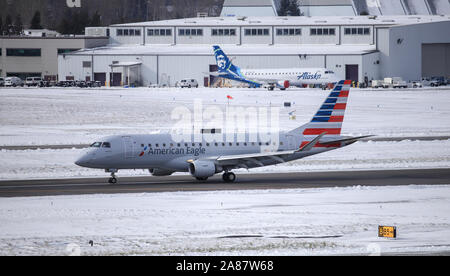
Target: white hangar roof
291,20
142,50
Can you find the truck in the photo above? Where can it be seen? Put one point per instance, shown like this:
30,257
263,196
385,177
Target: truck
395,82
377,83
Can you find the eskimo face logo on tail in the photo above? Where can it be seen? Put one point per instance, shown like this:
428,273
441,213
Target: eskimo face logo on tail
221,61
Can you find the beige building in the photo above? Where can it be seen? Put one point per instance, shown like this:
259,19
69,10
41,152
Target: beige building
38,56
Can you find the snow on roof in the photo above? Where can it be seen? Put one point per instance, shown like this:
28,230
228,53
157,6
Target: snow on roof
140,50
291,20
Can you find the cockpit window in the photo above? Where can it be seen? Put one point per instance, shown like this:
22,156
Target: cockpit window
96,145
106,145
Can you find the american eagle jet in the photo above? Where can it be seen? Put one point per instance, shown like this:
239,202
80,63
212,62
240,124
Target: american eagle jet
162,155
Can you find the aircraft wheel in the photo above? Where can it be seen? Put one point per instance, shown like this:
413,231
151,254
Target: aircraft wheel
112,180
202,178
229,177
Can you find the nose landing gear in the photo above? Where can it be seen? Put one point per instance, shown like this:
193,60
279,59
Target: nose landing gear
112,179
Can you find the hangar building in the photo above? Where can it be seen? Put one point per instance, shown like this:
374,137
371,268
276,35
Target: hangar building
359,48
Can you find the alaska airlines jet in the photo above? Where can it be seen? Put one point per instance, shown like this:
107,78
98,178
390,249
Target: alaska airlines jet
271,78
162,155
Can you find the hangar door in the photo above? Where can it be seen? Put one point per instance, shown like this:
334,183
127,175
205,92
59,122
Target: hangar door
436,60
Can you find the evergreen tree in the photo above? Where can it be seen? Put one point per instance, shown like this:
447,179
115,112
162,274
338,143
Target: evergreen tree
96,20
293,8
8,26
64,26
289,7
284,4
18,25
36,21
1,25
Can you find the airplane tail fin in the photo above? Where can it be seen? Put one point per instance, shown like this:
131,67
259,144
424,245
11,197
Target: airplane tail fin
224,64
328,119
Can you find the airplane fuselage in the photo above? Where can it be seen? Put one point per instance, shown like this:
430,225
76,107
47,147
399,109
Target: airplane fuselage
295,76
160,151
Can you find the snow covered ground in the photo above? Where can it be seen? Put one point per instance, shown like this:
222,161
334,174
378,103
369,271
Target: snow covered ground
79,116
271,222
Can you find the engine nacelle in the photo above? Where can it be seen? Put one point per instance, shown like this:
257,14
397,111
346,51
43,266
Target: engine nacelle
160,172
202,168
284,84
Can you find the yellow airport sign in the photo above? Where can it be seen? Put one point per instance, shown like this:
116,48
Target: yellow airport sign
387,232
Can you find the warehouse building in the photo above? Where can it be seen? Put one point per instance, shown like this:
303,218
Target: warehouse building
360,48
36,54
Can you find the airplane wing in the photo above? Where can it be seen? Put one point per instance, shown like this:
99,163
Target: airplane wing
255,159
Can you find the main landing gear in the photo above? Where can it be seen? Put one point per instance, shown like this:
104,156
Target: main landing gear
229,177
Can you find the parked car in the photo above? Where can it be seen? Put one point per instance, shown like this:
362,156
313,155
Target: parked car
416,84
429,82
188,83
13,81
2,82
440,80
32,81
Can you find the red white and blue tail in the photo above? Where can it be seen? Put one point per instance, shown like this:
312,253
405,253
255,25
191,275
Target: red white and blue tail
328,119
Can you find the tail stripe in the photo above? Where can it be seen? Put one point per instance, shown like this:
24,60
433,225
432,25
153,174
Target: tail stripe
330,116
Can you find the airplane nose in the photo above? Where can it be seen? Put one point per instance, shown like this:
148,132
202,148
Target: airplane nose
83,161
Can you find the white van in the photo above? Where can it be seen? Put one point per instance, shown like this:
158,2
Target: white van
13,81
188,83
33,81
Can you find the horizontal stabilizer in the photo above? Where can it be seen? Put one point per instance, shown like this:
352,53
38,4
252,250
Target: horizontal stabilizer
349,139
312,143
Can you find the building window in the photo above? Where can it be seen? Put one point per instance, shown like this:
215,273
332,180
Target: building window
66,51
190,32
357,31
128,32
256,32
322,31
289,32
23,52
159,32
223,32
87,64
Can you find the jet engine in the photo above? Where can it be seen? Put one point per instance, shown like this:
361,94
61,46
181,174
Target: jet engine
160,172
284,84
202,169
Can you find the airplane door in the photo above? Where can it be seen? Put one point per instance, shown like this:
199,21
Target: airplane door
128,145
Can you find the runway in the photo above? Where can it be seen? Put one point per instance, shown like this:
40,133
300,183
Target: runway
83,186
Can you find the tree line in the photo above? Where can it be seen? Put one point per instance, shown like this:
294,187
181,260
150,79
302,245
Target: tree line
73,22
